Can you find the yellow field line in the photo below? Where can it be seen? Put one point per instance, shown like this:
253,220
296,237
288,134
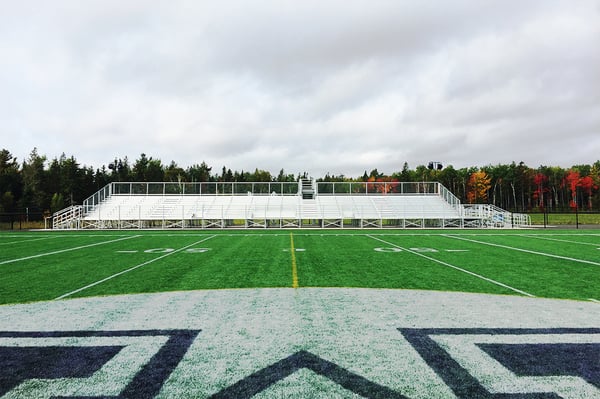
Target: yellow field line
294,266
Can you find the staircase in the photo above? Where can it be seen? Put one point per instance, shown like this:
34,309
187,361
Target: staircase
491,216
67,218
307,189
309,209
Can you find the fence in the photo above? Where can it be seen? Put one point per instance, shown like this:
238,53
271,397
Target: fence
21,220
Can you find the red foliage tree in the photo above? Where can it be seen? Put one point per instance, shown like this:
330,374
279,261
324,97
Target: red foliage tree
541,186
587,185
574,180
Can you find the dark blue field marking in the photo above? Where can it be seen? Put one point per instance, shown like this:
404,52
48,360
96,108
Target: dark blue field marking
525,360
578,360
20,363
263,379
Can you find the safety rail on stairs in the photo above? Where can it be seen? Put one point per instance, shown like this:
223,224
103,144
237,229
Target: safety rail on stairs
486,215
68,218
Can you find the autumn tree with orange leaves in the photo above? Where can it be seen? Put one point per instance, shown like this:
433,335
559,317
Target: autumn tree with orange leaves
478,187
384,185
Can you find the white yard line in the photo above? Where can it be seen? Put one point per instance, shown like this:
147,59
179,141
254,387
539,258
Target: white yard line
556,239
27,241
131,268
66,250
589,262
455,267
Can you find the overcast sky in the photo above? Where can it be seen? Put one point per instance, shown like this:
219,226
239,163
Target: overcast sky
338,86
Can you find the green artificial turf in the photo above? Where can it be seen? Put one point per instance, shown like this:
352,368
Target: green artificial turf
48,265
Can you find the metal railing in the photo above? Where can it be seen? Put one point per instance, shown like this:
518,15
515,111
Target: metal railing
374,188
204,188
67,218
268,188
495,216
384,188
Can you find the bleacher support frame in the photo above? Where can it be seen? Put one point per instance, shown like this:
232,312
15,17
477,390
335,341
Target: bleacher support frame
302,204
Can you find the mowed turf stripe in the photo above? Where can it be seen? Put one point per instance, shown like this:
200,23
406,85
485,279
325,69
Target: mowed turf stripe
294,265
454,267
60,251
131,269
589,262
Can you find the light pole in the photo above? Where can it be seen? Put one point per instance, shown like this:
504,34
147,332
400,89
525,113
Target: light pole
435,165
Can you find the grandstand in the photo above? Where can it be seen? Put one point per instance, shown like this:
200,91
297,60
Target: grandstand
305,203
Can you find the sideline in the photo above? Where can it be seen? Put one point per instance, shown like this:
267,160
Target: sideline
455,267
130,269
589,262
67,250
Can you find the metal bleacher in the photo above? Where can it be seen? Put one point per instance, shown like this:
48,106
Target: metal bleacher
305,203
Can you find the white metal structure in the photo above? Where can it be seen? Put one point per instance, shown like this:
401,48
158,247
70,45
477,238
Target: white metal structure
283,205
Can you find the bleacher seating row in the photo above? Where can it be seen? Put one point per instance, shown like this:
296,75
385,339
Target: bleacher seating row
305,203
254,208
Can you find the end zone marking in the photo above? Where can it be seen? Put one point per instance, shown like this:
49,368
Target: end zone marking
130,269
294,265
456,268
589,262
67,250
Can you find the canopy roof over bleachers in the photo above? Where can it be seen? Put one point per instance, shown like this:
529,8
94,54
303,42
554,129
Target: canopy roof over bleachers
306,203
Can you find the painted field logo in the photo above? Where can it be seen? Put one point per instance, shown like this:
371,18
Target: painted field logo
263,379
106,364
513,363
473,363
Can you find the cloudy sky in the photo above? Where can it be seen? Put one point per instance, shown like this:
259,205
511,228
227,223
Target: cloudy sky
338,86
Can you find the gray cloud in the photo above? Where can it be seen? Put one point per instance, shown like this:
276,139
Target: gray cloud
335,86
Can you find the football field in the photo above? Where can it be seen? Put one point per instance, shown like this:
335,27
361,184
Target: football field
305,313
50,265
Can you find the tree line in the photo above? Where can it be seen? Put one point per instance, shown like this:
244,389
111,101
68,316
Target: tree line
39,185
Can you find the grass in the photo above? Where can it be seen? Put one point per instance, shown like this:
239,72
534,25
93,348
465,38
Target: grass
47,265
561,219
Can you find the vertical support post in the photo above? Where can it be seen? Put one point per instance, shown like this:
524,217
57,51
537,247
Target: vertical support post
576,209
